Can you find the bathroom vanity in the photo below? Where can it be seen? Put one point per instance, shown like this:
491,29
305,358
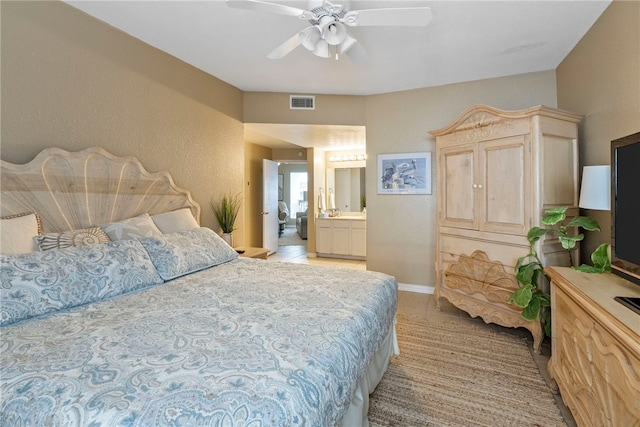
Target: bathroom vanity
342,236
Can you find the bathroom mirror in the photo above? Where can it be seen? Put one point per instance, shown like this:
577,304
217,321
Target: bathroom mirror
349,187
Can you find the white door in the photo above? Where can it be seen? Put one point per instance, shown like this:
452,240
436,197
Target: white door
270,205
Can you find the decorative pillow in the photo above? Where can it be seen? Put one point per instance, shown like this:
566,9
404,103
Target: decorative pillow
174,221
131,228
185,252
67,239
17,233
45,282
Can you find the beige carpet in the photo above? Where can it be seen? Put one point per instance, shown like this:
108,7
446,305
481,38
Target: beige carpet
290,237
461,374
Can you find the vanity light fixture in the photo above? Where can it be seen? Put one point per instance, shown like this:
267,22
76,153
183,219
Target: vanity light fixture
348,158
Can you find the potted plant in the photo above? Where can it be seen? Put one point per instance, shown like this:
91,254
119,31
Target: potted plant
226,212
530,271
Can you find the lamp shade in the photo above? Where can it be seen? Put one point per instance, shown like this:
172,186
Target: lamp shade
595,191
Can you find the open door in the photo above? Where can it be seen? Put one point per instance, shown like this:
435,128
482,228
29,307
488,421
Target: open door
270,205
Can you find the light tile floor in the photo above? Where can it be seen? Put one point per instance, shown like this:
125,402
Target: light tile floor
416,304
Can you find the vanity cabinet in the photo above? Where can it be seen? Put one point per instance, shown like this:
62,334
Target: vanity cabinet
341,237
358,238
323,236
595,347
497,172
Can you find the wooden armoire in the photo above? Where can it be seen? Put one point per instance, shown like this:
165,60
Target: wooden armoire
497,172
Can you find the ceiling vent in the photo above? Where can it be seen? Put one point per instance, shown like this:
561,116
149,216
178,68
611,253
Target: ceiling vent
302,102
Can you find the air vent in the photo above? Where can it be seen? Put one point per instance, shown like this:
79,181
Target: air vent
302,102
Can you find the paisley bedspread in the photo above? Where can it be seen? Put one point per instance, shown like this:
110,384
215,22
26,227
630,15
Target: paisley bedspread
244,343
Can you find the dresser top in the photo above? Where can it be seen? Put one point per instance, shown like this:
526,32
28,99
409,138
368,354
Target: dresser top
601,289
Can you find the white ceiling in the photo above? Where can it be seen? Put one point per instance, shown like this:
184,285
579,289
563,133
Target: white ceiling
465,41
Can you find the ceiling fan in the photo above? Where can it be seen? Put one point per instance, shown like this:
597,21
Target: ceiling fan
328,33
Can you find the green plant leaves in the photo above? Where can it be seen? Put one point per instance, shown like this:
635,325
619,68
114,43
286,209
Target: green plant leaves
554,215
529,270
532,311
528,273
226,211
535,233
585,222
569,242
600,260
600,257
521,297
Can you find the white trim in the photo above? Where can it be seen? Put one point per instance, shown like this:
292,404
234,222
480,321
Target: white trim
419,289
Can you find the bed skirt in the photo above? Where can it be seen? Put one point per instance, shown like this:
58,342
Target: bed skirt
357,413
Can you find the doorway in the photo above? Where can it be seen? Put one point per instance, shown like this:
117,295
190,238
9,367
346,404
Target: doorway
295,197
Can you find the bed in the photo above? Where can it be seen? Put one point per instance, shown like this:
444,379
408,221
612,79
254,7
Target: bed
108,323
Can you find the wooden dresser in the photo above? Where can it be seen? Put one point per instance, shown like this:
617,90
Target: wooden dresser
595,347
497,172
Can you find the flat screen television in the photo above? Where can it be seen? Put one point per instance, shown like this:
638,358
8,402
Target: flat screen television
625,207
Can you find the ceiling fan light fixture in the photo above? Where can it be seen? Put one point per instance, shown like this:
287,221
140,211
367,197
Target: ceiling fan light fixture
330,22
334,33
322,49
309,37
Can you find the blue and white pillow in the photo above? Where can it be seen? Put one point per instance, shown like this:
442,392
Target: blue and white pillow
36,283
67,239
131,228
184,252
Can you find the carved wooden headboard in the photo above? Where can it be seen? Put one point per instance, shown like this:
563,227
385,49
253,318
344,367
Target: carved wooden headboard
71,190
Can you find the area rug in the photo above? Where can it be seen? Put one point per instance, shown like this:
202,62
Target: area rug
461,374
290,237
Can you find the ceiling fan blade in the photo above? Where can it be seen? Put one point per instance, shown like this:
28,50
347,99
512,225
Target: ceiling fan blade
271,7
285,48
396,17
357,54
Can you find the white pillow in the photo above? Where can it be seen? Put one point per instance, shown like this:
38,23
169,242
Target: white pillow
17,233
174,221
130,228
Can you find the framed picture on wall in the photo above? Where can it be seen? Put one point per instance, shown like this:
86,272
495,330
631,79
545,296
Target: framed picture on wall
405,173
280,187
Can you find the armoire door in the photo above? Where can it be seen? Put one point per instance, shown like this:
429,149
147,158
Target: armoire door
458,205
505,176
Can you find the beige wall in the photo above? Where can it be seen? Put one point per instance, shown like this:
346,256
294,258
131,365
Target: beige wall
401,229
70,81
267,107
600,78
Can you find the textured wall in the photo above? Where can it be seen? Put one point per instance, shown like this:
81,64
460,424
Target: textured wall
70,81
600,79
401,229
